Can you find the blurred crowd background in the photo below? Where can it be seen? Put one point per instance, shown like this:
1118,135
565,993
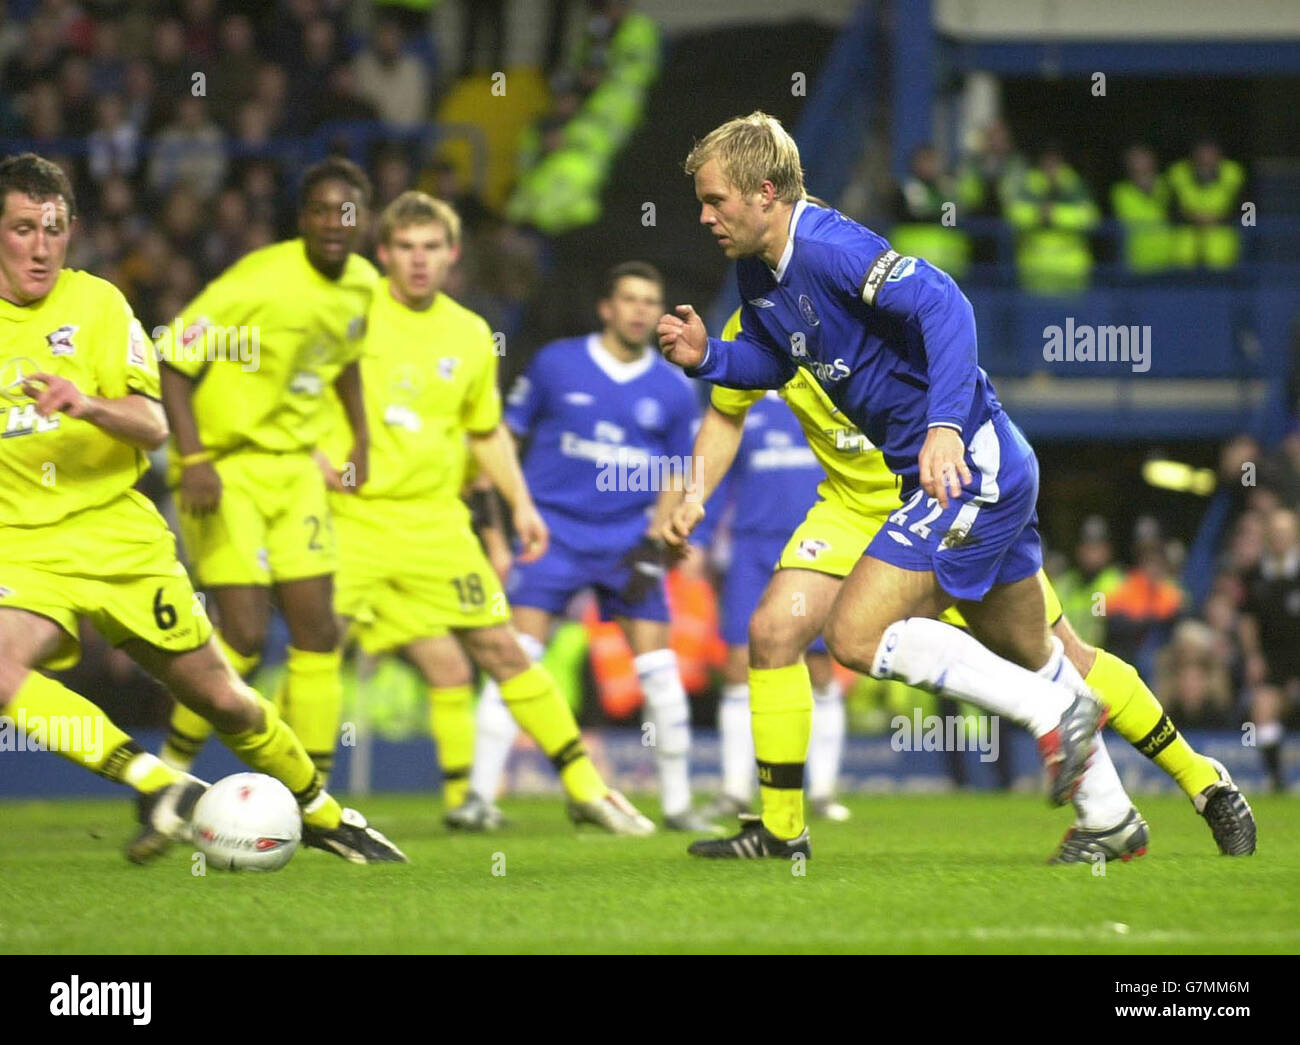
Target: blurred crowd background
184,126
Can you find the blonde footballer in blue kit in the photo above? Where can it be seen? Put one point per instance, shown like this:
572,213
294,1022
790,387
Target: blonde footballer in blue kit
80,404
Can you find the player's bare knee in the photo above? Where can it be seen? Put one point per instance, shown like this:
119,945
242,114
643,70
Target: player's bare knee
497,651
853,645
777,637
12,674
245,637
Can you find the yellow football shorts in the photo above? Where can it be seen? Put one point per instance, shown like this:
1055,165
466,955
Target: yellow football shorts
832,538
272,524
114,564
407,572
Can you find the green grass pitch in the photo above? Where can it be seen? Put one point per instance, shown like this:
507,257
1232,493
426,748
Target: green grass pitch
954,873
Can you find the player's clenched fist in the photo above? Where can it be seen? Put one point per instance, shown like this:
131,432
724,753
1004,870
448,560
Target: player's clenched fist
200,488
682,338
681,524
532,531
943,464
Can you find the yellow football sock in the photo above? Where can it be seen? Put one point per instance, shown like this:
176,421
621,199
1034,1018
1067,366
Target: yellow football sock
315,703
1137,716
781,708
54,718
452,711
536,703
187,730
276,751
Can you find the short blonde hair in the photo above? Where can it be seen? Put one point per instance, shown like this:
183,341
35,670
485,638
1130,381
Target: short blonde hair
419,208
753,149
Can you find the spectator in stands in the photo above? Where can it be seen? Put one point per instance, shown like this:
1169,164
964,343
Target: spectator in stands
1085,588
271,92
107,66
140,91
43,112
340,100
235,69
318,57
622,41
200,29
484,36
1141,203
1192,678
37,60
1270,635
1142,610
990,177
394,82
114,146
1052,213
223,243
1281,469
1207,190
925,209
77,96
190,150
172,70
392,175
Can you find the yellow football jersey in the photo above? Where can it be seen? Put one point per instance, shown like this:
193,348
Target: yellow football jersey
856,473
265,342
429,378
82,330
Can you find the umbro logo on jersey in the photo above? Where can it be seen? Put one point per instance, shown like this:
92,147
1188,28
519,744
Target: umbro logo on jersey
899,538
447,367
579,398
762,303
61,340
356,328
5,592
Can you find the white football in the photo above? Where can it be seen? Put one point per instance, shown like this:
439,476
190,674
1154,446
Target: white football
247,822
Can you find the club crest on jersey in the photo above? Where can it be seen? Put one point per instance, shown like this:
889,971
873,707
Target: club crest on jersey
356,328
807,311
648,412
60,340
811,548
447,367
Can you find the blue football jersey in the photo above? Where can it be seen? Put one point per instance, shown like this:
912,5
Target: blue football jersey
889,337
603,436
773,481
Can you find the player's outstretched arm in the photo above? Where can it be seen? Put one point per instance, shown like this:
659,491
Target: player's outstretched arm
716,446
495,453
348,387
136,420
746,362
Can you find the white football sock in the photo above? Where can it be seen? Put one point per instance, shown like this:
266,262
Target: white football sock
826,745
925,652
1101,801
495,732
737,740
668,712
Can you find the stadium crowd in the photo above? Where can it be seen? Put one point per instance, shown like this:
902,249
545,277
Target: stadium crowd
175,183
